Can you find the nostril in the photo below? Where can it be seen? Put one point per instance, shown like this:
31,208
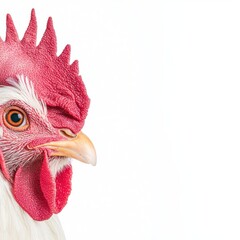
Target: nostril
67,133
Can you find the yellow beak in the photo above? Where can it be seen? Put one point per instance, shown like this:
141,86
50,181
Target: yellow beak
80,148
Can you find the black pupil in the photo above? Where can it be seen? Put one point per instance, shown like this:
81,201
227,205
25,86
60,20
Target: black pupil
16,117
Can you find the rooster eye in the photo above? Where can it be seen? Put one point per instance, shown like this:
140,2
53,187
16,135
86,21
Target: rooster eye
16,119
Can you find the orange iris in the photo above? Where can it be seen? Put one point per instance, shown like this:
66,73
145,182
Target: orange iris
15,118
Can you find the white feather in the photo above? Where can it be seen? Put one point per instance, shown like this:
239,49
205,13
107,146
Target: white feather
22,90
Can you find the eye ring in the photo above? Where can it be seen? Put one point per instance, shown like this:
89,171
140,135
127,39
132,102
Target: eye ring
15,119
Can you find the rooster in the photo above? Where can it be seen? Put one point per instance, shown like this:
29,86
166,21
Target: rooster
43,105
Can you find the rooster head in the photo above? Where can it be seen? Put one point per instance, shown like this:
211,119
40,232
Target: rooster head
43,105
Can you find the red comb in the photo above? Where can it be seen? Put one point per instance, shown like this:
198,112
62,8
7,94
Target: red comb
55,81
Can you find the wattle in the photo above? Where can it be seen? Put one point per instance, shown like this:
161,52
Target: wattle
38,192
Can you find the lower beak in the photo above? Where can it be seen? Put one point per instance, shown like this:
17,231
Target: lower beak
80,148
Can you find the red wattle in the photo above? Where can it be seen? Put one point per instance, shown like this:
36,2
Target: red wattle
28,193
37,192
55,191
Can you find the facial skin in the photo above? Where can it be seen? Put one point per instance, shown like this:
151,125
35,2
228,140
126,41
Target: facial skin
17,142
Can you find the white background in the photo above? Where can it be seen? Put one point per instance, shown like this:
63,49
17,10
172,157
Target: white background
164,83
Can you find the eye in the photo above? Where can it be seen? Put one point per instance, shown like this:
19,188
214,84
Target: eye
15,118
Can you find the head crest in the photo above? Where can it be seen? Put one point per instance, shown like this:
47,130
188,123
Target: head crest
56,82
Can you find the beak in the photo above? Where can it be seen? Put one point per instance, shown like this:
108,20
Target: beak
80,148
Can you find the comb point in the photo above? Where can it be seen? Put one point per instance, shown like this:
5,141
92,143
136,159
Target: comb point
74,67
30,35
65,55
11,32
49,41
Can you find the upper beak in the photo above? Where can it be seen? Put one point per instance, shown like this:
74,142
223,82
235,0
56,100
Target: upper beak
79,147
